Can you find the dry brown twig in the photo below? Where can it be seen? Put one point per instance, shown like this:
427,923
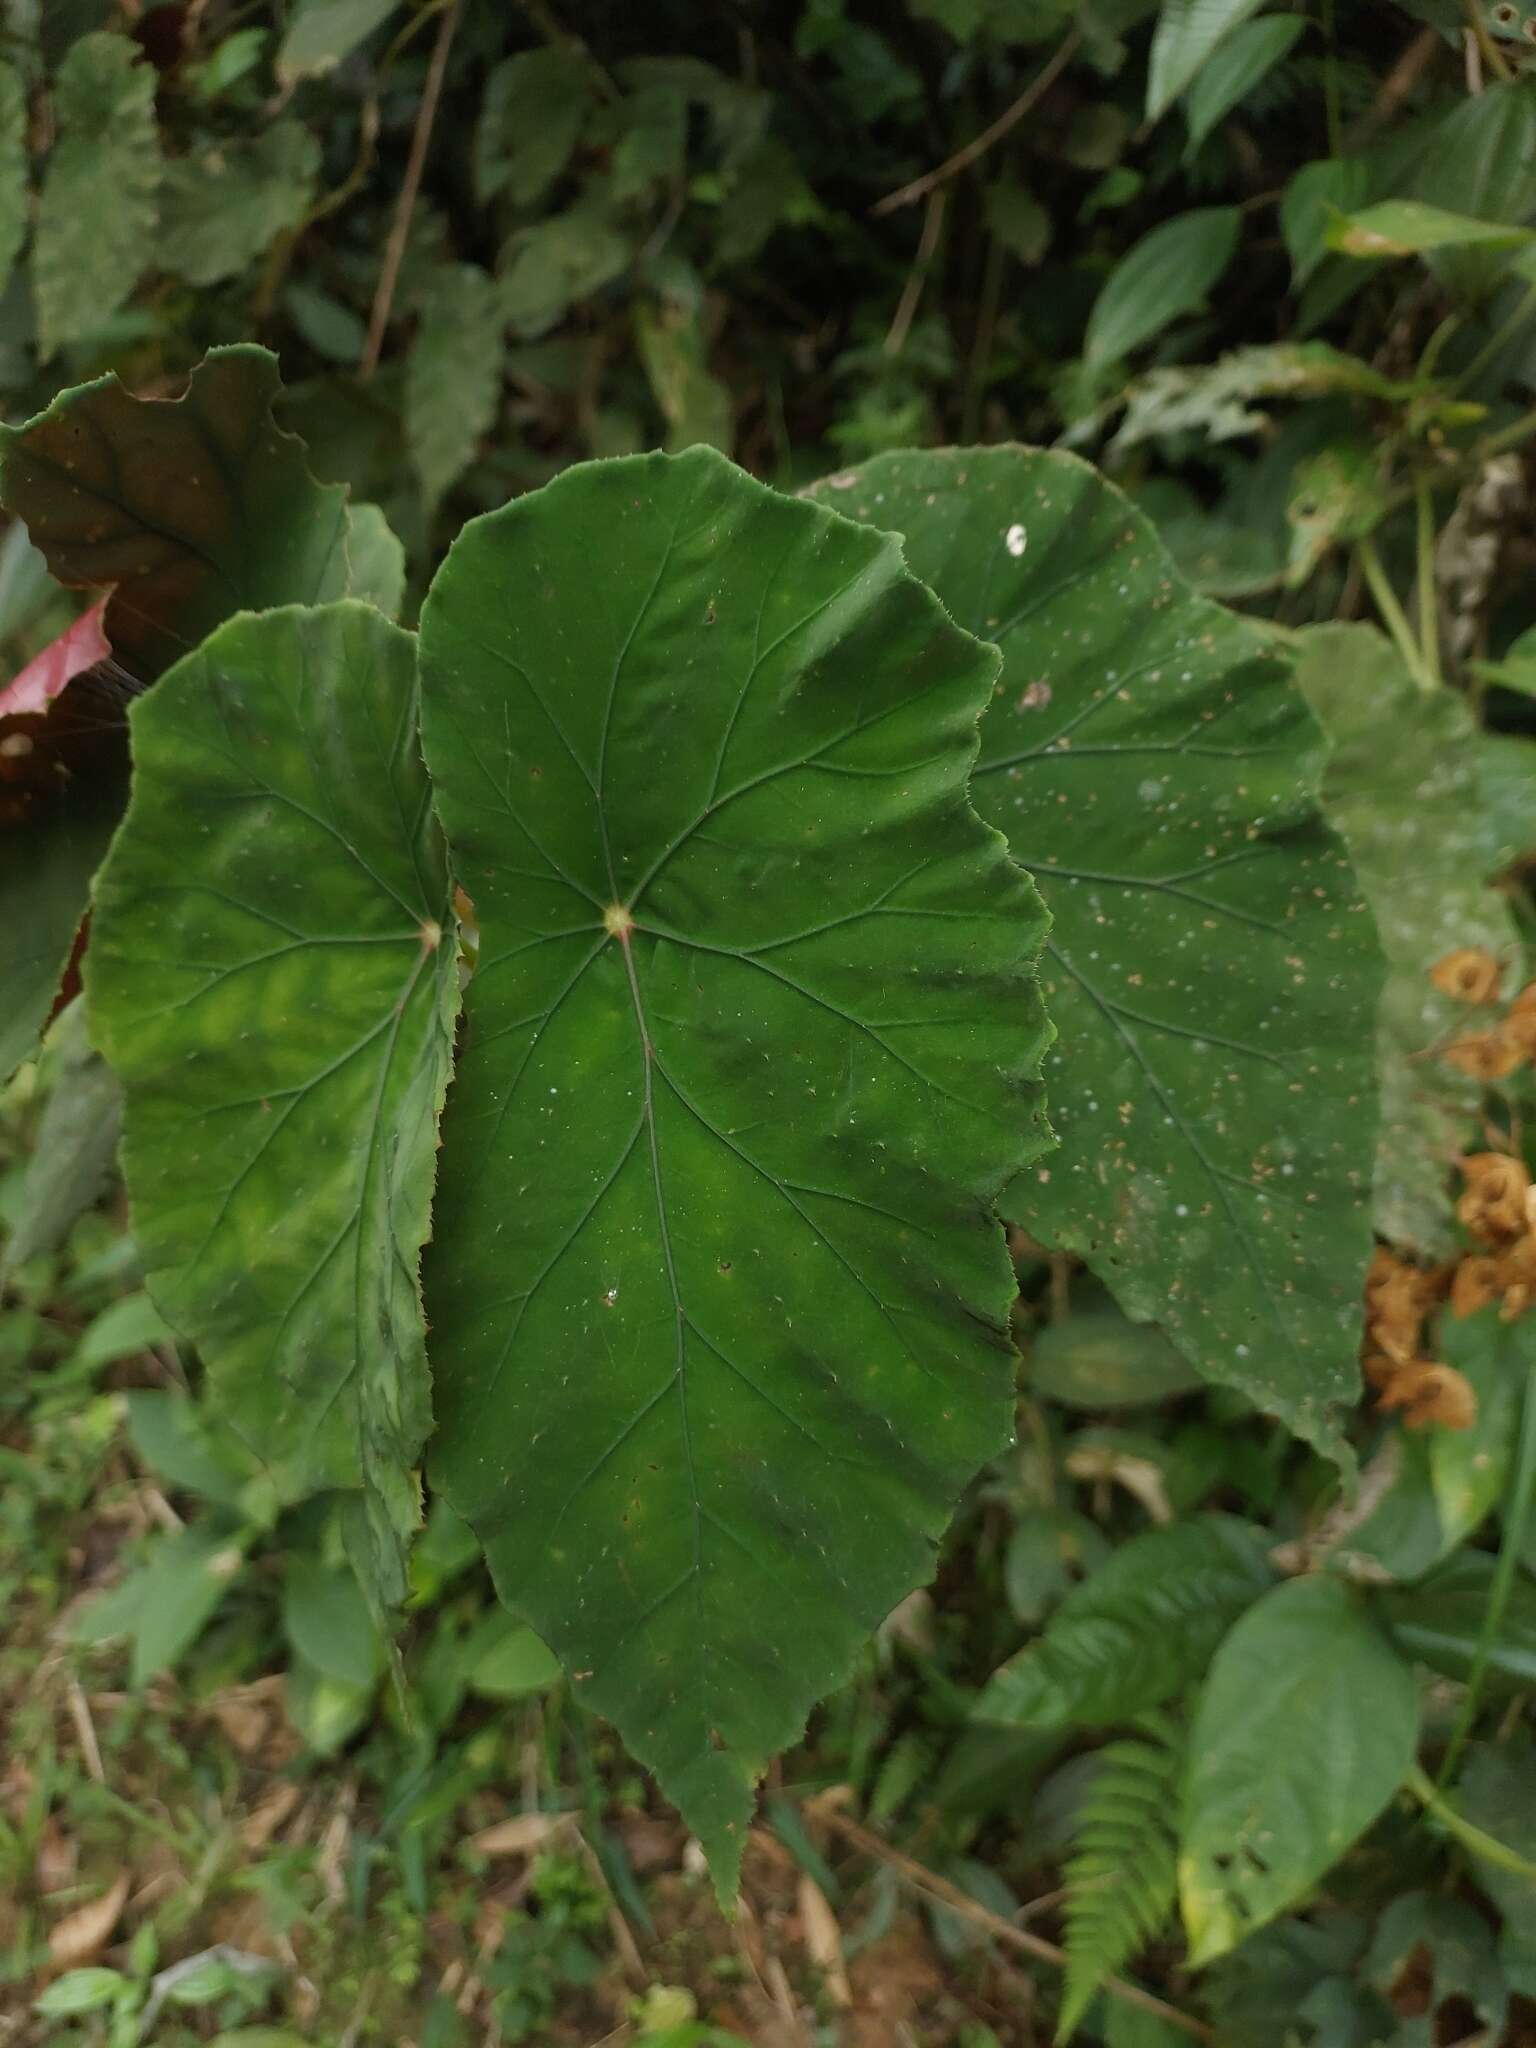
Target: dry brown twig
917,276
922,1879
399,233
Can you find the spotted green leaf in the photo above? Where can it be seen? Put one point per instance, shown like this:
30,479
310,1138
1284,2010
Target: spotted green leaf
96,219
718,1299
1420,801
269,977
1211,969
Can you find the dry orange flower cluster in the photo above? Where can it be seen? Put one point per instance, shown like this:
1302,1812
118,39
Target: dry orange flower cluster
1497,1208
1471,975
1399,1299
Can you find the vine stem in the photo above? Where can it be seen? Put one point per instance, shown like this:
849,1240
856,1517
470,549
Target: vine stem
1517,1513
1392,614
1467,1832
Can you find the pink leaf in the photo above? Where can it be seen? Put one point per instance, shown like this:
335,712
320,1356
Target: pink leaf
79,647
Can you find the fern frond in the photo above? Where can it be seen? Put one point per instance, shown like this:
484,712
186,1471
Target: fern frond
1120,1878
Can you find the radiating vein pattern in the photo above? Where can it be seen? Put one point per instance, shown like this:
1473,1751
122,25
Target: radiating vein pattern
271,975
717,1294
1212,972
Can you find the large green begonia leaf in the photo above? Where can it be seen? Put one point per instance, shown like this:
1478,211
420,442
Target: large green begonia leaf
1211,970
718,1297
187,511
270,977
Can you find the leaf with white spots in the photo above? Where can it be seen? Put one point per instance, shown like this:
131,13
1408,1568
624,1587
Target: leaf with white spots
1211,970
719,1301
1417,807
270,979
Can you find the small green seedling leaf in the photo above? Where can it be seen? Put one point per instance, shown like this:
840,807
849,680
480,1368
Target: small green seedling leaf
718,1301
272,976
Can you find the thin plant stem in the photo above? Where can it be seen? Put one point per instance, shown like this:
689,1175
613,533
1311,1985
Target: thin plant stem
1331,84
981,344
394,250
1517,1514
1429,610
1392,614
917,276
1467,1832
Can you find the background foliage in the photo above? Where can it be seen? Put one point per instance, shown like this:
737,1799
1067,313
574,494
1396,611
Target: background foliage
1275,269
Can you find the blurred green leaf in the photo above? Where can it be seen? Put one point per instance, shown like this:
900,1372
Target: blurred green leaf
322,32
505,1660
79,1991
453,375
697,407
96,218
327,1622
1239,62
1164,275
1315,196
1410,227
1440,1620
76,1141
227,201
1099,1358
1187,35
1469,1467
165,1603
130,1325
13,169
531,117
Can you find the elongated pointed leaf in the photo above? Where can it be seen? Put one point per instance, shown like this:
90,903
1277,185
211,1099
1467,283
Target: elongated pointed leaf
269,977
717,1296
1211,969
1305,1728
1187,33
